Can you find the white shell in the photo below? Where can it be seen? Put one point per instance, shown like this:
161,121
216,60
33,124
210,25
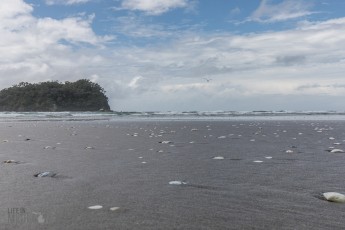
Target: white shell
334,197
218,158
95,207
177,182
337,151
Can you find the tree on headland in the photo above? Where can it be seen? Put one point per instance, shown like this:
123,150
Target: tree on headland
82,95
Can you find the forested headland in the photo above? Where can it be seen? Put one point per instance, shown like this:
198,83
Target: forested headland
54,96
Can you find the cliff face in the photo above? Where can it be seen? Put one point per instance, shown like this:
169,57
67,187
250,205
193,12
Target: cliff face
82,95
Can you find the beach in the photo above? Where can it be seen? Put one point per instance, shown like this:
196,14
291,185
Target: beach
171,174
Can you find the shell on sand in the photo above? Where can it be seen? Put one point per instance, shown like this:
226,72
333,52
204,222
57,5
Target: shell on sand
177,182
95,207
218,158
11,162
334,197
45,174
337,151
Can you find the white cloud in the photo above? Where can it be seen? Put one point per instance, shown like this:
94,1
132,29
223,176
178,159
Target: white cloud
37,49
240,66
267,70
286,10
154,7
134,82
65,2
14,8
137,27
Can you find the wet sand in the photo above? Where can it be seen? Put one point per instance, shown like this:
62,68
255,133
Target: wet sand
271,177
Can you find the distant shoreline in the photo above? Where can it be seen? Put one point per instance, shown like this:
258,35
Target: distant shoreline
218,115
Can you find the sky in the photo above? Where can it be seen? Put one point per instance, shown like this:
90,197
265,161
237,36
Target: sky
182,55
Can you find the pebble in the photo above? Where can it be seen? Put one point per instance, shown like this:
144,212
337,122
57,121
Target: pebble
95,207
337,151
334,197
218,158
45,174
11,162
165,142
177,182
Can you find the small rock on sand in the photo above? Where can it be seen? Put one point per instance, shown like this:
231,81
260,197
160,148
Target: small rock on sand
218,158
334,197
95,207
177,182
337,151
11,162
45,174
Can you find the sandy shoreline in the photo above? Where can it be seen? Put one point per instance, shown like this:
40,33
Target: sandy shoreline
233,193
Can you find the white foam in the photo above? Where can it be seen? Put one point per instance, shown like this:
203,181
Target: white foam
114,208
268,157
257,161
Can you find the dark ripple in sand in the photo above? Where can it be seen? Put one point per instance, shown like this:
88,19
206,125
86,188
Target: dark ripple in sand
199,186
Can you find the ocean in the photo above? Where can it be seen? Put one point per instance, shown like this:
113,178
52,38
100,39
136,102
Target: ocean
173,115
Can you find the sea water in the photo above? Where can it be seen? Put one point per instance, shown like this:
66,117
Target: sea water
170,115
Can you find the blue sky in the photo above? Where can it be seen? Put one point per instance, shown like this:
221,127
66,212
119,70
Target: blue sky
159,55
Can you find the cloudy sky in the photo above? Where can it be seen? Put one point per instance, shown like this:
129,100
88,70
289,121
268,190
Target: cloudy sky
182,55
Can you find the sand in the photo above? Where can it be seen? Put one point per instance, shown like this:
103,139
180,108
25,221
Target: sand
101,181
